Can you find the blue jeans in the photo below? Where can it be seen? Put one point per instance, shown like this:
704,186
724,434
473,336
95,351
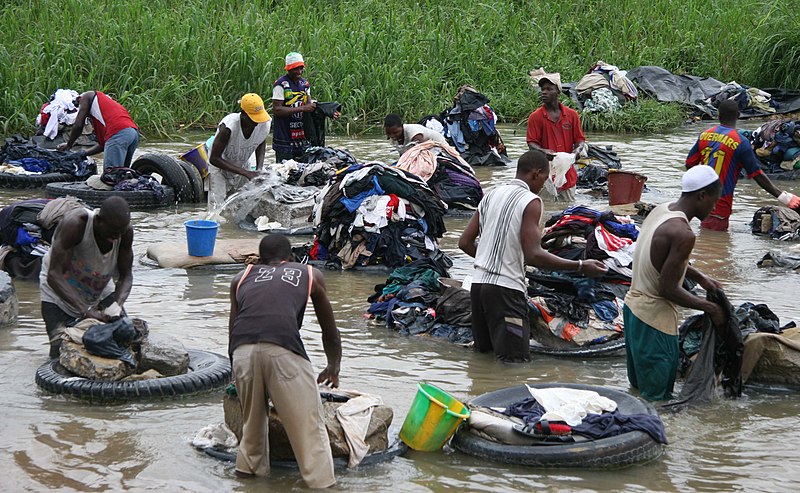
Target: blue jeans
120,147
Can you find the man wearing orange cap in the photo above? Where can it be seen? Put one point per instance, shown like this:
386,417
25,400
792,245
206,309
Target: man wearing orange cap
291,97
238,136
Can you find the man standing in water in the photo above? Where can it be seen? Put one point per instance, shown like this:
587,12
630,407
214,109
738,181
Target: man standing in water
268,301
660,262
117,135
238,136
291,97
555,128
722,148
507,222
76,279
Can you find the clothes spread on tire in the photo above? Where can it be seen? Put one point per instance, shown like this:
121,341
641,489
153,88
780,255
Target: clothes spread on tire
19,157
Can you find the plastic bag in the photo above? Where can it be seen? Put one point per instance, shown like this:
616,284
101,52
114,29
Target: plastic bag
111,340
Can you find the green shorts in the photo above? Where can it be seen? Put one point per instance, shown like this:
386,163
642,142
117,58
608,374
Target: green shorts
652,358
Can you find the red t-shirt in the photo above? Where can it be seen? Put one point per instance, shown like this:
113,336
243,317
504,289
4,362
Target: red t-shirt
557,136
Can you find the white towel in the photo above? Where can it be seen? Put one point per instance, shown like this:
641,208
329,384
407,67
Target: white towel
571,405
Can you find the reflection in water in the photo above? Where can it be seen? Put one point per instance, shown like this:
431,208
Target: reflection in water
54,443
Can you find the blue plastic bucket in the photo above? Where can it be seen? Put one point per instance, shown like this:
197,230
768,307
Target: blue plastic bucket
201,236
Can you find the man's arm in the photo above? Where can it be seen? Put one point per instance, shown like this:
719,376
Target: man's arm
578,139
84,108
694,156
124,267
261,150
234,303
283,111
467,240
705,282
330,334
218,147
531,239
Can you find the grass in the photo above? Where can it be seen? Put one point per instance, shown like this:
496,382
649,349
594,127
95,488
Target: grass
177,64
646,115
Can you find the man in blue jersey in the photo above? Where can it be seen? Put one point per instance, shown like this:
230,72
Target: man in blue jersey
291,97
722,148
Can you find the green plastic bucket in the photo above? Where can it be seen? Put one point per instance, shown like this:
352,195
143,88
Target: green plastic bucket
432,419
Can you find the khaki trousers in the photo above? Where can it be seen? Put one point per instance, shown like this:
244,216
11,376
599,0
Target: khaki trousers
266,371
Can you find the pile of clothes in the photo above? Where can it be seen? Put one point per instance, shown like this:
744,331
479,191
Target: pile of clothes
19,157
593,169
777,222
60,109
127,179
604,89
375,214
777,145
26,232
316,167
745,96
470,126
419,298
445,171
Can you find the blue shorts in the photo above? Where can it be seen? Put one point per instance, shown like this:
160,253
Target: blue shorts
120,147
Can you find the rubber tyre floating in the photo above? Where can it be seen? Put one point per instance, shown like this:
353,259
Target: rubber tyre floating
622,450
10,180
207,371
198,194
137,200
610,348
784,175
170,170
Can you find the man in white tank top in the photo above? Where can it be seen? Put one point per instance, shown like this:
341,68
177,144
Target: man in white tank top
660,263
507,221
238,136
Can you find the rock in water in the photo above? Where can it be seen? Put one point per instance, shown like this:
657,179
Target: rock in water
9,305
164,354
778,364
77,360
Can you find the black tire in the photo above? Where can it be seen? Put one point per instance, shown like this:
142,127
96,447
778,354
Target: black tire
610,348
456,212
172,172
618,451
10,180
196,180
784,175
137,200
207,371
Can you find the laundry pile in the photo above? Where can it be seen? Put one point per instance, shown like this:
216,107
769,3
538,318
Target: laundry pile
375,214
26,232
745,96
777,222
777,145
593,169
316,167
419,298
469,126
444,170
127,179
560,415
60,109
604,89
19,157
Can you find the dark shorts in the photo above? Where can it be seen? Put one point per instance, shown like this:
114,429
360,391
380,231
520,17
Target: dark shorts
500,322
55,319
715,223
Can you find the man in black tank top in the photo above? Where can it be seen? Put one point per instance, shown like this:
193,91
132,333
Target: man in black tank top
268,301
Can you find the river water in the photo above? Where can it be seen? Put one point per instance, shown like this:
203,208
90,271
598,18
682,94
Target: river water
53,443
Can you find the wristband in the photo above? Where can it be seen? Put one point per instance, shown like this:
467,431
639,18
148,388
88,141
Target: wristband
580,265
784,198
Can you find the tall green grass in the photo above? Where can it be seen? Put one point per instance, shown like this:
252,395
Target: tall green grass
185,63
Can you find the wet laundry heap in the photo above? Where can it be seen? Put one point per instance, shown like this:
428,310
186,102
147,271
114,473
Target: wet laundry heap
316,167
18,156
777,144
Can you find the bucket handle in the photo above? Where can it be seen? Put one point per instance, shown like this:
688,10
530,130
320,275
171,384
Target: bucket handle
446,409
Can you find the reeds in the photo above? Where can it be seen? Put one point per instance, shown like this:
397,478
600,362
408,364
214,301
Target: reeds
176,63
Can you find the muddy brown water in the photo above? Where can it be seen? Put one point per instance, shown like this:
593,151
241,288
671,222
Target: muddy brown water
53,443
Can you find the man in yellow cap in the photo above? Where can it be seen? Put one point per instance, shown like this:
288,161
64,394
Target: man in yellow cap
238,136
291,97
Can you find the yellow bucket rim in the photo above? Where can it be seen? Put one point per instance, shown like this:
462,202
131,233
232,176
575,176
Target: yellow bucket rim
436,401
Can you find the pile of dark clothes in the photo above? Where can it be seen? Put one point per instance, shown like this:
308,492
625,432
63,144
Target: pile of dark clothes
415,300
469,126
593,426
593,169
128,179
26,232
777,222
316,167
373,214
18,153
777,145
314,122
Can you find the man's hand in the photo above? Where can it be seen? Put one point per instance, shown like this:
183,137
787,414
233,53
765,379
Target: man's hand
790,200
97,315
62,147
336,115
329,376
709,284
717,314
309,107
593,268
249,174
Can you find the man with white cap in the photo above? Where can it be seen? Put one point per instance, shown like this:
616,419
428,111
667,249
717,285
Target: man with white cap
291,97
660,263
555,128
722,148
239,136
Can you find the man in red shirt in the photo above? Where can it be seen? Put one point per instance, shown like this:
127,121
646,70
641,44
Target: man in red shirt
555,128
117,135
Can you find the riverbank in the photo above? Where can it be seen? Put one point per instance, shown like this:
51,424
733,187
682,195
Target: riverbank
184,65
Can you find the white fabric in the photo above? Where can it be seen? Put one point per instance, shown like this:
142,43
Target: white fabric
61,110
698,177
354,416
239,148
216,436
372,211
561,163
410,130
571,405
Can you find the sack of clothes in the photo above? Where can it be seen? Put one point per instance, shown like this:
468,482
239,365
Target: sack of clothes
777,144
373,214
19,157
777,222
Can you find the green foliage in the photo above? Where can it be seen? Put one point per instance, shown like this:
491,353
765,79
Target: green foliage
186,63
646,115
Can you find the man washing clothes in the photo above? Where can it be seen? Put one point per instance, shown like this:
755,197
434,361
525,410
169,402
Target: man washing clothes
401,135
660,263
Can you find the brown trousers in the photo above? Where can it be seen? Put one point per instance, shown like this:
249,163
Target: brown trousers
265,372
